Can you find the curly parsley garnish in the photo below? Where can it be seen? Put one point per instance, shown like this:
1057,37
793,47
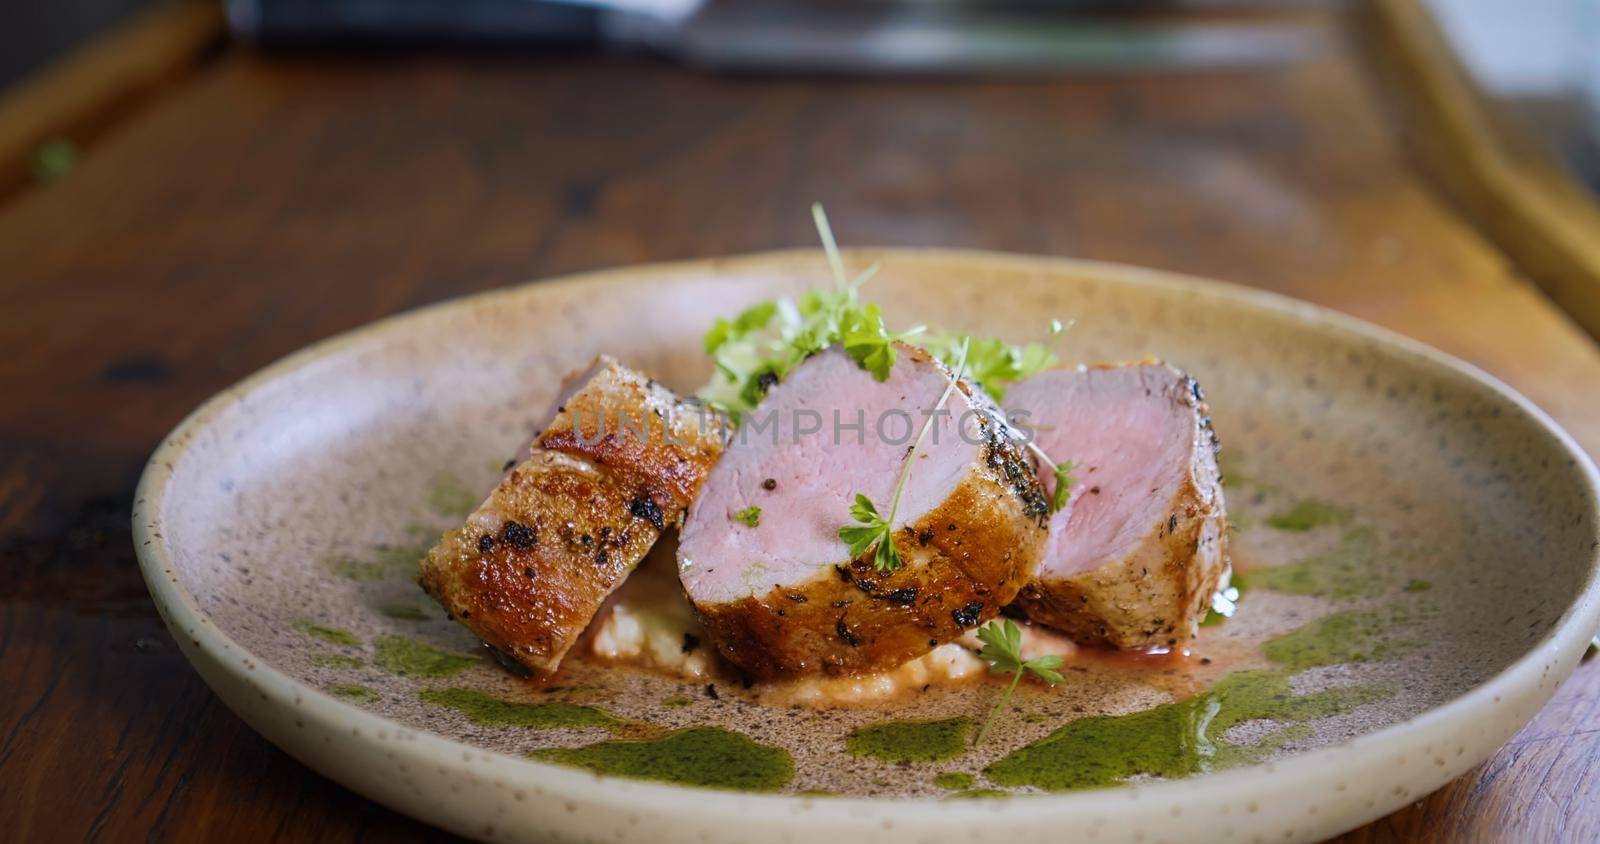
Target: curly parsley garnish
991,362
757,348
1002,649
994,364
751,516
874,530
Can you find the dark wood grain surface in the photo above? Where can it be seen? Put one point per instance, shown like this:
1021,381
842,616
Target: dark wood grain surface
266,203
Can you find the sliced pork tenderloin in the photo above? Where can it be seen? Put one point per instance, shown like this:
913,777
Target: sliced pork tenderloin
1135,556
783,597
618,463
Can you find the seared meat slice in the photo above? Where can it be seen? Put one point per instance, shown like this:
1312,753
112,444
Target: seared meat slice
619,462
1136,555
783,597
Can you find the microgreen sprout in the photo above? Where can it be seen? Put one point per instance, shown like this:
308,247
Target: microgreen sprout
1002,649
759,346
875,530
1064,479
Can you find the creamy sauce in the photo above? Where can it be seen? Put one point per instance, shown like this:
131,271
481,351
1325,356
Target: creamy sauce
649,624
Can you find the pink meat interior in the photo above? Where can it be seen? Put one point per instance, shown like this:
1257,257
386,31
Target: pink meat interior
1131,442
815,476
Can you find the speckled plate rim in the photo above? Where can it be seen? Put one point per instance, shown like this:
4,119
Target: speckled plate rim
1433,747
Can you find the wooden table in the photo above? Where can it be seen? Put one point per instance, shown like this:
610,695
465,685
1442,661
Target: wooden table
260,204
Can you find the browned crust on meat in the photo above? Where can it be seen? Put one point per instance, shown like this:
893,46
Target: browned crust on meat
1155,596
1145,601
563,529
684,437
965,560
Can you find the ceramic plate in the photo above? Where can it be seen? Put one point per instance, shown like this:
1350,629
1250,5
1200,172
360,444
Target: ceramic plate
1417,544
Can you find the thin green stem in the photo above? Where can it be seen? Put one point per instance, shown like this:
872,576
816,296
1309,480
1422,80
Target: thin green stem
1034,447
835,260
999,705
866,276
905,471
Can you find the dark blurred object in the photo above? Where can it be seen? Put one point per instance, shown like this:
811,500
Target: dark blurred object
818,37
33,33
406,23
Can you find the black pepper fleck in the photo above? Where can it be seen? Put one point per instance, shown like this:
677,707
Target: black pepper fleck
766,380
485,543
903,597
644,508
845,633
967,616
769,484
518,535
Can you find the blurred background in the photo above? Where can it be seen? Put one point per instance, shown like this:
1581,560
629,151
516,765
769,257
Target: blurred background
1539,60
191,189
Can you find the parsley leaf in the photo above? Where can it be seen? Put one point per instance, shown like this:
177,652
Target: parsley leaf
1002,649
750,515
864,510
867,342
875,530
1064,482
991,362
750,320
760,346
872,530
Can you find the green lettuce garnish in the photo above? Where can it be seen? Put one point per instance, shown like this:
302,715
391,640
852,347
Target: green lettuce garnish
993,363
